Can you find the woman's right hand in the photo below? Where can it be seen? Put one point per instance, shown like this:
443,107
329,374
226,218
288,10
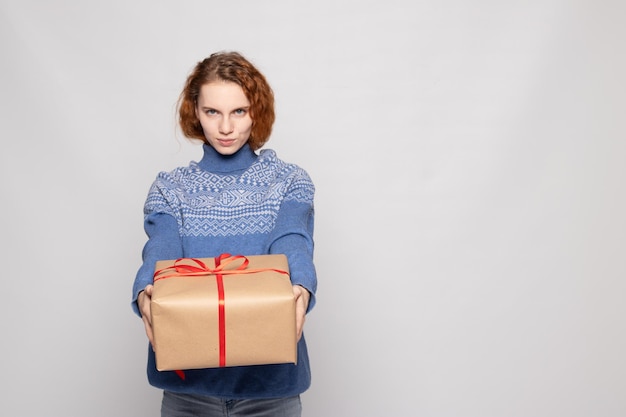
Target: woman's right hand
143,301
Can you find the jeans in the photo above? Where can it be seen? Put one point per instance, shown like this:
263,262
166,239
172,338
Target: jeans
186,405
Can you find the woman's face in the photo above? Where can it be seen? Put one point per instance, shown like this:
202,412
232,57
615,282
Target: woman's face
224,113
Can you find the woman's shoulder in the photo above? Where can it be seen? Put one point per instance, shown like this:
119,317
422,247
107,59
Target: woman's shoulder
269,158
180,171
287,177
179,174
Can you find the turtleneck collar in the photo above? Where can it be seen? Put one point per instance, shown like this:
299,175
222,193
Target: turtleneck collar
214,161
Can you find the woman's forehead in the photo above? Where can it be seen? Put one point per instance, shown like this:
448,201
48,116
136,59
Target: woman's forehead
222,93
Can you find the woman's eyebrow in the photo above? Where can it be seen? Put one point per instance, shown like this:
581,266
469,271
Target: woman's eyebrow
234,108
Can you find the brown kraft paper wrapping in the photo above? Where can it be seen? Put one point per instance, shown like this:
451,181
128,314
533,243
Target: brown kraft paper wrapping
257,319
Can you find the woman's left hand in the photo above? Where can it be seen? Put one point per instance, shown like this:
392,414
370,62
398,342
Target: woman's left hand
302,297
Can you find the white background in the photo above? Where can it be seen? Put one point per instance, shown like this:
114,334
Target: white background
469,164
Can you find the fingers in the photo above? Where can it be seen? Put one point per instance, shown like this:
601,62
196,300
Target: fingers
301,298
299,328
143,299
148,327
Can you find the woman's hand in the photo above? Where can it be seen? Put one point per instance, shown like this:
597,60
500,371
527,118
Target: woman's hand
302,297
143,301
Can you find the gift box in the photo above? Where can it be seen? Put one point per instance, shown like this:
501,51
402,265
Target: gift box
223,311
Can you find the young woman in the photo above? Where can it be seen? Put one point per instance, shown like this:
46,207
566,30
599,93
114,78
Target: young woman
237,199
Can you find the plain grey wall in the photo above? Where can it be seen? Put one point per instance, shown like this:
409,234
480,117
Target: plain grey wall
469,162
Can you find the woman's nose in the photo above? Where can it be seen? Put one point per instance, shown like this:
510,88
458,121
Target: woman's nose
226,127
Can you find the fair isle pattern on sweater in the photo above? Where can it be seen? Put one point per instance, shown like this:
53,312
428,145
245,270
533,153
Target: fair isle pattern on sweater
226,204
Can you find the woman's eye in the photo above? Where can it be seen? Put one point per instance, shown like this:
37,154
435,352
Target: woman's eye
210,111
240,112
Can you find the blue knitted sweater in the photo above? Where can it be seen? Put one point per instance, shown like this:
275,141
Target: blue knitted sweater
248,204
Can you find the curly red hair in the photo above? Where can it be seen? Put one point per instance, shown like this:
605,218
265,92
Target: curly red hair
230,67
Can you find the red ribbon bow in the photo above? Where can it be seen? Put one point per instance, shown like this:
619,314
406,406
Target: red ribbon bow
180,269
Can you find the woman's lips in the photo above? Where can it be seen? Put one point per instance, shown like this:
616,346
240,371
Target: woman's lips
226,142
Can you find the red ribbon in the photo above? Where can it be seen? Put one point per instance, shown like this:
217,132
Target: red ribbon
222,311
199,268
179,269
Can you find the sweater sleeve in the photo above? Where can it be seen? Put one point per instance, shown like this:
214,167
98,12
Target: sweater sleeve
164,241
293,233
